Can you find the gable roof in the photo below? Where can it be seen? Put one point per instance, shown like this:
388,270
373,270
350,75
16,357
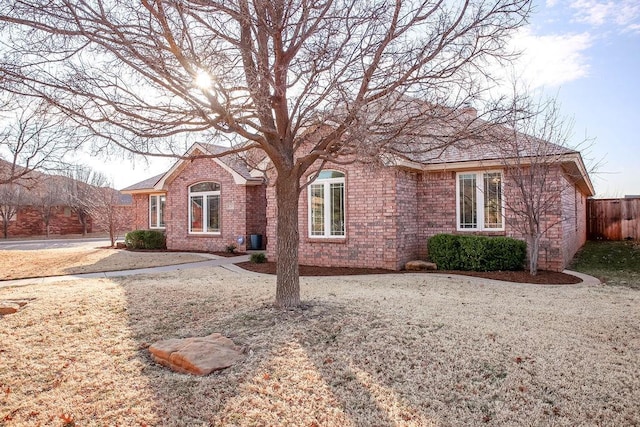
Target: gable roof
232,163
143,186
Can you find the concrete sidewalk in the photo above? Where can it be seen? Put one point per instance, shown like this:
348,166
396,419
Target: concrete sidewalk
229,263
214,261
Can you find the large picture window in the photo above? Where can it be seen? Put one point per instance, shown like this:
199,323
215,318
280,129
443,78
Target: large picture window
204,208
156,210
479,201
326,205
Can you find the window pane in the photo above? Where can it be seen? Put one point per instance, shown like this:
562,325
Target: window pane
330,174
492,200
153,211
162,204
196,213
213,213
468,209
337,209
317,209
205,186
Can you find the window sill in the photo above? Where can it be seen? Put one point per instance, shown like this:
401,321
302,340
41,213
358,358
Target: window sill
494,231
203,234
320,239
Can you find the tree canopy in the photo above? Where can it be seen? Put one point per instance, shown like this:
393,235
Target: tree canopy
152,76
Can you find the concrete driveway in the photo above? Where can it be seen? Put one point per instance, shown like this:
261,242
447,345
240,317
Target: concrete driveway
26,245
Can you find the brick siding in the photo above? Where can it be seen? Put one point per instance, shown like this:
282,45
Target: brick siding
389,215
235,200
370,222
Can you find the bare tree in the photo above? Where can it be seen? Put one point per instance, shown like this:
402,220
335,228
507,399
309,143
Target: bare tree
33,138
533,149
151,76
108,212
45,198
80,192
11,199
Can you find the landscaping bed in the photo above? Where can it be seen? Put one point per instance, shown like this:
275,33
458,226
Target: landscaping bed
543,277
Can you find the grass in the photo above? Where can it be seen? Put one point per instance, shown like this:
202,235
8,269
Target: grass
616,263
57,262
384,350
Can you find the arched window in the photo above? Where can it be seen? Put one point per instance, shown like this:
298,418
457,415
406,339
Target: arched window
326,205
204,208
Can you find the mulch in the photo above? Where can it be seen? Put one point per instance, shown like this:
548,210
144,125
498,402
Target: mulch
543,277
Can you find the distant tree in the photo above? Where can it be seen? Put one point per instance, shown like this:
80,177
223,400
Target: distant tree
11,198
33,138
80,192
151,76
108,213
45,198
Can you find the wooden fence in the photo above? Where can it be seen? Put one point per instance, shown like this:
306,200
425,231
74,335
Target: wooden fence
613,219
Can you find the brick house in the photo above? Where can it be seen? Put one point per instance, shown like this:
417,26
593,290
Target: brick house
203,204
376,214
34,196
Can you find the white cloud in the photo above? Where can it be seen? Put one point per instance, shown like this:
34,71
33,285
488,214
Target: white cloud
551,60
622,13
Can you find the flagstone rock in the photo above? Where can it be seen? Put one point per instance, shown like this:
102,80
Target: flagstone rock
419,265
196,355
8,307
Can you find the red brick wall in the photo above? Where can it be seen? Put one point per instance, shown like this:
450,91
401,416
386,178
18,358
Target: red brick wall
233,202
437,214
371,222
140,208
436,195
574,224
28,222
408,223
256,212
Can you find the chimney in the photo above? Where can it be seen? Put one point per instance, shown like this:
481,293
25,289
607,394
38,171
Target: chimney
467,112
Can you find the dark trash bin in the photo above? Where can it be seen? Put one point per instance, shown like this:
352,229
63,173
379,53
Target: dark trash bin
256,241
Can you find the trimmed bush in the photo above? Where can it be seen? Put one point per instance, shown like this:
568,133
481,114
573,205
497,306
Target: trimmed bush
258,258
145,239
476,253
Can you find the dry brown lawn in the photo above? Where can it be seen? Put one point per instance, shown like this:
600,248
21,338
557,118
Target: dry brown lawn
387,350
58,262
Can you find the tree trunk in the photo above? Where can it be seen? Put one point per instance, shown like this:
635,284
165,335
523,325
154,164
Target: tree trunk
288,239
534,247
112,233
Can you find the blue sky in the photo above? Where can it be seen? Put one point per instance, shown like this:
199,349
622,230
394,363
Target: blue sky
587,54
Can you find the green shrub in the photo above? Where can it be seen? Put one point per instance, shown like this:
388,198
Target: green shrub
444,250
145,239
258,258
476,253
231,248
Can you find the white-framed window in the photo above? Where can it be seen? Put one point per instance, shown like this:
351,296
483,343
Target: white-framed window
479,201
156,210
204,208
326,205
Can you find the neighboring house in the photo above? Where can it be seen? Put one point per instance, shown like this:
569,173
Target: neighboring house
35,205
377,214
